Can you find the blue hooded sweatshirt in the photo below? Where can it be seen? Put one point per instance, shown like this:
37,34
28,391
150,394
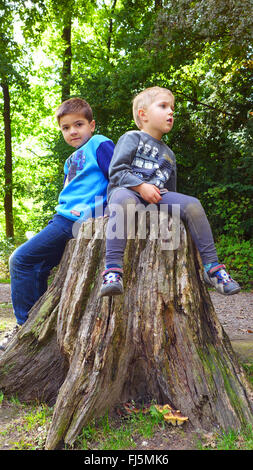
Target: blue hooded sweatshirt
86,179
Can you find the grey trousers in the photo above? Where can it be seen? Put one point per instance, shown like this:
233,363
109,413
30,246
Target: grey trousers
191,212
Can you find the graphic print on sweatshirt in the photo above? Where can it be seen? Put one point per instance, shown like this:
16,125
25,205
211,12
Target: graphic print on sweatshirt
75,164
150,166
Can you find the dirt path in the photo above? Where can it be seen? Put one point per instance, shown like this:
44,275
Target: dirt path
236,316
7,319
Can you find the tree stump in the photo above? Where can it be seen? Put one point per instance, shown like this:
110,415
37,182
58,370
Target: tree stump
161,340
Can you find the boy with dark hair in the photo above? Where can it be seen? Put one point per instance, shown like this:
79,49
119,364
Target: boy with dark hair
86,178
143,171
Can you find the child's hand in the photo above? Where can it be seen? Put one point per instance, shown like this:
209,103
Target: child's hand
148,192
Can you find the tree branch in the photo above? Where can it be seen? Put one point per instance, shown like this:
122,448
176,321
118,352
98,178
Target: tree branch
196,101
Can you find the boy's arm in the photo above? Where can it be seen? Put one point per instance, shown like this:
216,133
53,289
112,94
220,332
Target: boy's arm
148,192
120,171
66,170
104,156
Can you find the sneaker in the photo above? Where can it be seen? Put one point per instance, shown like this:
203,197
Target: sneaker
218,278
8,337
112,282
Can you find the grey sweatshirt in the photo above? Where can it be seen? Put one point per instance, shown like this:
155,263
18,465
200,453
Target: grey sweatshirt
139,158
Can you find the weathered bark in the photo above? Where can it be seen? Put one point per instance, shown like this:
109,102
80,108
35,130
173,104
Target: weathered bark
161,340
33,367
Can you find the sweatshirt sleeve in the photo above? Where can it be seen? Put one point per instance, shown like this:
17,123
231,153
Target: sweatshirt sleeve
66,170
104,156
120,171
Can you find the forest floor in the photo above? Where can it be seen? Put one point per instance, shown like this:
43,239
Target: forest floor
235,314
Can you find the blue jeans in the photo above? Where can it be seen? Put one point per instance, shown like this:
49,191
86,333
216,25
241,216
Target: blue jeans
191,212
30,264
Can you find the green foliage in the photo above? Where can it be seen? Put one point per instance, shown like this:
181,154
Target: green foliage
237,254
229,206
231,440
6,248
108,434
30,426
49,182
249,372
200,50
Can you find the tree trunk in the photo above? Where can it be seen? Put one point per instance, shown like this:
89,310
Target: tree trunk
161,340
67,58
109,40
9,228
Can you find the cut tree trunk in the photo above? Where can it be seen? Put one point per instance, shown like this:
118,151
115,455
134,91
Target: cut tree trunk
159,341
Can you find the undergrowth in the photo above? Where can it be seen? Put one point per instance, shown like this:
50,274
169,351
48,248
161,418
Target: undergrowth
29,431
111,434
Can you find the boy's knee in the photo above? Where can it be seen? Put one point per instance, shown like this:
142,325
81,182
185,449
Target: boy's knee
193,207
12,259
16,258
128,201
122,199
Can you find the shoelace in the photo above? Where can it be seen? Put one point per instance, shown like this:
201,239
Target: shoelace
223,276
111,277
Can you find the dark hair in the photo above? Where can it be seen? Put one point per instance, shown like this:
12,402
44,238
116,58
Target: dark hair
74,105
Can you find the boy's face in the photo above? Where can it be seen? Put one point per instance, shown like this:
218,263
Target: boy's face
76,129
157,118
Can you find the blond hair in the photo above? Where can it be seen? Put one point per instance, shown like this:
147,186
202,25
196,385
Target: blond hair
145,98
74,105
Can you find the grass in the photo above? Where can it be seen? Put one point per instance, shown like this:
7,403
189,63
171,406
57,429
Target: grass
29,430
231,440
112,434
28,426
3,326
248,368
104,435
